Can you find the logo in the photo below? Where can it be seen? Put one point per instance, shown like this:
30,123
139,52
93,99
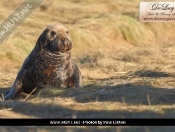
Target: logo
157,12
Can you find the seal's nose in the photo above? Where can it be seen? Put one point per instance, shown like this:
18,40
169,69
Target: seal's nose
67,43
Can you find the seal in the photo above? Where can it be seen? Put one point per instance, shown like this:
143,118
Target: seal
49,64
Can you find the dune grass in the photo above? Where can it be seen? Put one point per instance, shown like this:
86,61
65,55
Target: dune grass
94,25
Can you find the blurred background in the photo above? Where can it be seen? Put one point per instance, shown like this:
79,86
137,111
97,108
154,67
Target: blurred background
97,27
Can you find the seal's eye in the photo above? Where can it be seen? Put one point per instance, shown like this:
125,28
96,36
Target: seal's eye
67,32
53,33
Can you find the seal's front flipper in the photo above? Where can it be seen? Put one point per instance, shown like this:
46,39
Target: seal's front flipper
17,86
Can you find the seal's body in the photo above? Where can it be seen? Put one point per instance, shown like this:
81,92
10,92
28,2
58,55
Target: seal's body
49,63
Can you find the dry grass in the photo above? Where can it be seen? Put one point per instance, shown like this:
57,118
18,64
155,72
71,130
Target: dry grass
103,27
127,66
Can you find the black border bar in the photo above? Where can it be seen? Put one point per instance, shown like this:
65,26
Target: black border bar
87,122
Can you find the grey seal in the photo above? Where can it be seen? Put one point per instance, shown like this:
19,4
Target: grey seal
49,63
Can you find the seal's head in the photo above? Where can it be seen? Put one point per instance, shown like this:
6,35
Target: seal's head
55,38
